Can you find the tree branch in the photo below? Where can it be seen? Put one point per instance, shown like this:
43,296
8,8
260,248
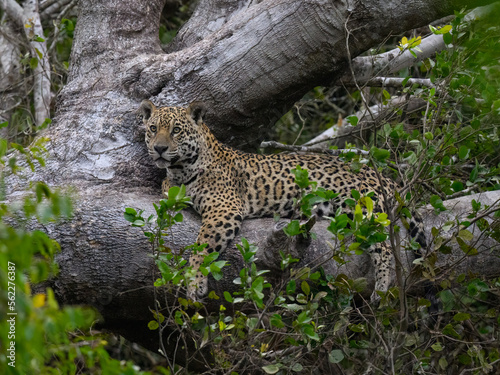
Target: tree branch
123,292
365,68
28,19
305,149
14,10
392,82
339,135
41,90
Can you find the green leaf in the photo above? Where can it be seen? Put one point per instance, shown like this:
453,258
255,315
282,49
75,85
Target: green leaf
308,330
305,288
335,356
465,234
379,154
450,331
228,297
301,177
447,38
460,317
3,147
277,321
297,367
38,39
437,347
40,54
33,63
303,318
440,30
369,206
355,194
271,369
68,24
213,295
152,325
457,186
473,174
443,363
353,120
290,287
463,152
429,136
437,203
293,228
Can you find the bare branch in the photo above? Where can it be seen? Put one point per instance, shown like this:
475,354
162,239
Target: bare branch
305,149
52,9
345,133
394,82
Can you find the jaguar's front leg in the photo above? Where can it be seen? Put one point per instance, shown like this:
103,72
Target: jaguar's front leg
219,226
165,186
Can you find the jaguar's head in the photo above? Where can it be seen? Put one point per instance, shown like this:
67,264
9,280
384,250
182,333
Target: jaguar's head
173,134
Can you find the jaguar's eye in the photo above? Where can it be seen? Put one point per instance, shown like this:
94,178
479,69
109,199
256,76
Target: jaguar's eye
176,130
152,128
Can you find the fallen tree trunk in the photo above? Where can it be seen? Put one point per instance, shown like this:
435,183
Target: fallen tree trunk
115,273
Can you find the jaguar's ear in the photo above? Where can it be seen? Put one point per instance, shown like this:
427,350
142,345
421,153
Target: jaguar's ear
146,110
196,111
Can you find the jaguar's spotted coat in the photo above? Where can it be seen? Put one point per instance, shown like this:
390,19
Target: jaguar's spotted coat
227,185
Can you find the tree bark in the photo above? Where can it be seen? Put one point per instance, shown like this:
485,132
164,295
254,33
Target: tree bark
249,69
28,18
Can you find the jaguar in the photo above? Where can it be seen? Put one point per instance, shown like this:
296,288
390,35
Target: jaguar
227,186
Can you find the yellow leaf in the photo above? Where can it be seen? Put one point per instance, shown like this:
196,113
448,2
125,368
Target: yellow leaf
39,300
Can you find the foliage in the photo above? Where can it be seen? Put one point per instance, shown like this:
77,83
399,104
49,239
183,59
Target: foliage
307,321
38,336
447,149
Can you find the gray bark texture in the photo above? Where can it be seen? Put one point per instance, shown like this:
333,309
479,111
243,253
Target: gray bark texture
248,61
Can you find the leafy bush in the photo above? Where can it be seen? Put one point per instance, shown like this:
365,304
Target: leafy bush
315,322
37,335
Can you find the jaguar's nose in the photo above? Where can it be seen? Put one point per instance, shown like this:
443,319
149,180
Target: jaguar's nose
160,149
